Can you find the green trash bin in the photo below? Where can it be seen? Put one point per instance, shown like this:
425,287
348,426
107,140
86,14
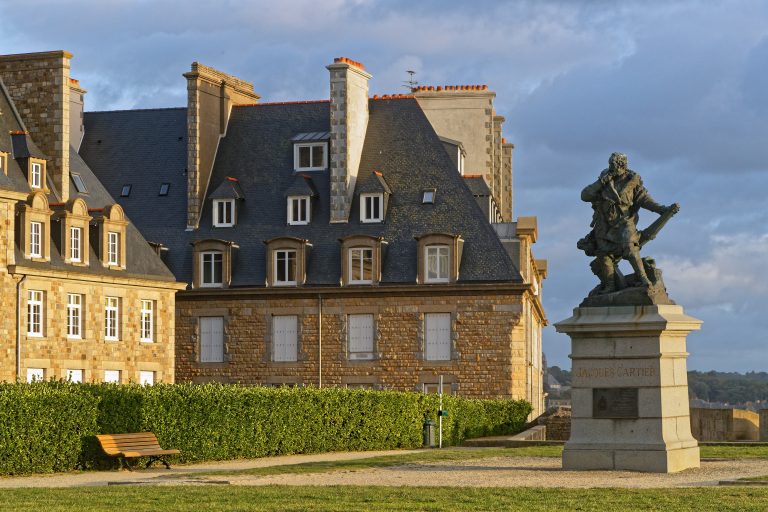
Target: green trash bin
429,434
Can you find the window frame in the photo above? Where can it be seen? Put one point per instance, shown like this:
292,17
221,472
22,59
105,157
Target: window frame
77,179
143,374
147,321
113,248
35,175
447,272
212,263
70,372
112,318
125,190
3,163
307,210
35,239
32,377
276,262
229,206
297,156
113,381
351,259
366,216
74,316
75,249
164,189
35,307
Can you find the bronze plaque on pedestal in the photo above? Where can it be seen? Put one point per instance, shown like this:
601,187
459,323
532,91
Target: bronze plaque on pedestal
615,403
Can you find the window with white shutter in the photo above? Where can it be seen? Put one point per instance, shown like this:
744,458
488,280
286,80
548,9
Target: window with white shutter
147,378
211,339
112,376
360,329
437,336
285,338
35,374
75,376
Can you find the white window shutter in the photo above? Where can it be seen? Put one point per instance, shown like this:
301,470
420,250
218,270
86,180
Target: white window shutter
437,336
212,339
285,338
361,333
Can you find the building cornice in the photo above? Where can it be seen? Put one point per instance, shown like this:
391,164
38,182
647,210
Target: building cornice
95,278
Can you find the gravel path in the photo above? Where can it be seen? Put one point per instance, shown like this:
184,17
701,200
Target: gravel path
516,472
486,472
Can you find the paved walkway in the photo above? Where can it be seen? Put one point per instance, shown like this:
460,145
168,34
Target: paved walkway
91,478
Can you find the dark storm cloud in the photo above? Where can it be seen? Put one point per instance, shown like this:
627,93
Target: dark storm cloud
682,87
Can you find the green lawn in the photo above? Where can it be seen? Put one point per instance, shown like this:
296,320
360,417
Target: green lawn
348,499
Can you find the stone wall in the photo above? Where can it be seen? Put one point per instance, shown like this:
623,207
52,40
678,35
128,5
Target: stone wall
39,86
763,421
558,423
489,344
724,425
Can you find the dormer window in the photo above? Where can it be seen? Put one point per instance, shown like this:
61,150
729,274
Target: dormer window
285,267
113,248
223,213
311,156
437,258
360,265
287,259
371,208
36,175
362,257
35,239
211,263
298,210
75,244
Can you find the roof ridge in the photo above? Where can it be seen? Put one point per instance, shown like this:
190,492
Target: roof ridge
269,103
133,110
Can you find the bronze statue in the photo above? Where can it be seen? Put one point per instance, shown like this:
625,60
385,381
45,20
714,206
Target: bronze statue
616,198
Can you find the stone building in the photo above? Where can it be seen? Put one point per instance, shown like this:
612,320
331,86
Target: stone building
354,241
84,296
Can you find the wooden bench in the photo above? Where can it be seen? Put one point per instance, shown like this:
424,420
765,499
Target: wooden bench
140,444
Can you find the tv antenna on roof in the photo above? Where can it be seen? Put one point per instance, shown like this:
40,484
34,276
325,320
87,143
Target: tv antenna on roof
410,84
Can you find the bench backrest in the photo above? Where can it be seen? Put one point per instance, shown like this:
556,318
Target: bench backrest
114,444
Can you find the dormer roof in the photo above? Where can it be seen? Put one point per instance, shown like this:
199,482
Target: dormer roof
374,183
311,137
301,186
228,189
477,185
24,146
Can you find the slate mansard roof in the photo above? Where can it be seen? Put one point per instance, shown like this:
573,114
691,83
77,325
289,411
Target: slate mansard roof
143,148
141,260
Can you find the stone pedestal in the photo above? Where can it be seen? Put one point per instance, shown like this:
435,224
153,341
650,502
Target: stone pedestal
630,389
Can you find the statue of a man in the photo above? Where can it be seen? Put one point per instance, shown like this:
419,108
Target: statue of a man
616,198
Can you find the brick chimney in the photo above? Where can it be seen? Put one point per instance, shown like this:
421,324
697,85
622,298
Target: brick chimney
210,97
40,88
349,121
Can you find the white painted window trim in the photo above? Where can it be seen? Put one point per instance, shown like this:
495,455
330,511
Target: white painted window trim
429,318
36,175
75,244
35,239
440,270
112,318
74,316
284,356
366,216
212,264
352,258
229,207
275,261
147,327
308,212
296,160
113,248
351,341
35,319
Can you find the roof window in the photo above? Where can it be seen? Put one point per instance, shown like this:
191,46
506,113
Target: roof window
125,191
428,196
311,156
79,183
164,189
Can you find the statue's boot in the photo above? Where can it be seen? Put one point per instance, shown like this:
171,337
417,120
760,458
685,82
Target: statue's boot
639,268
607,274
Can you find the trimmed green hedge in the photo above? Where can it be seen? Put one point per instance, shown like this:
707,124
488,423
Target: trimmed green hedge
43,426
219,422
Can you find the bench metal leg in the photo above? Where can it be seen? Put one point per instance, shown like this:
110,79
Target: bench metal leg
124,463
158,459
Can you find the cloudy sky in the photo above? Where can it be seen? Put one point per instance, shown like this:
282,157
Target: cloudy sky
681,87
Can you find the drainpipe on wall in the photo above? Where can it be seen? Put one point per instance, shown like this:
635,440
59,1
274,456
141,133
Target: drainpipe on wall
319,341
18,327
